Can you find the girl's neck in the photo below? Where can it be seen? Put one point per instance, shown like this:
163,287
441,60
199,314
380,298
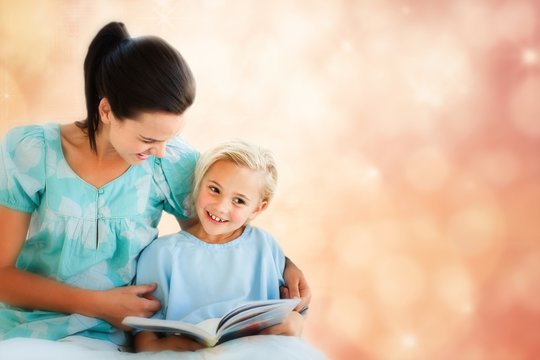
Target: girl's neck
198,231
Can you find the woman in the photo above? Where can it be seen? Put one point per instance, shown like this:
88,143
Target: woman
78,202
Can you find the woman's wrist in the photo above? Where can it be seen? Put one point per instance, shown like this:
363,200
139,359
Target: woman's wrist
88,302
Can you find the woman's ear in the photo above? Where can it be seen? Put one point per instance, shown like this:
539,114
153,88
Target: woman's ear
105,112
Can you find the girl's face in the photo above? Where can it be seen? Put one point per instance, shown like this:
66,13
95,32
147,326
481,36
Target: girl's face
229,197
136,139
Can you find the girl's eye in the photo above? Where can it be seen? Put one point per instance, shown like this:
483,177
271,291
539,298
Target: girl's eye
148,141
214,189
239,201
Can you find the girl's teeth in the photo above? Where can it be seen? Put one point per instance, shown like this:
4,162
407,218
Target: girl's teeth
216,218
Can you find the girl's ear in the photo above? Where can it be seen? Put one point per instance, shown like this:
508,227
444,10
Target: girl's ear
262,206
105,112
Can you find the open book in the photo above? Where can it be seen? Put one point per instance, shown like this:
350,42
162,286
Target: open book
245,320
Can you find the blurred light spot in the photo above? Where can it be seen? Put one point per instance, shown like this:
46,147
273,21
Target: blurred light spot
474,20
475,352
525,107
12,100
353,316
399,281
425,230
477,229
467,309
427,169
408,341
424,95
454,287
346,46
500,167
372,173
439,74
356,247
515,20
212,4
529,56
521,284
305,100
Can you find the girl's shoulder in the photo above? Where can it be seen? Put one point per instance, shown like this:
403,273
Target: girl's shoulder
260,235
255,231
179,151
168,242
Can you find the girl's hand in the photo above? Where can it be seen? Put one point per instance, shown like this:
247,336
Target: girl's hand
178,343
295,285
115,304
292,325
149,341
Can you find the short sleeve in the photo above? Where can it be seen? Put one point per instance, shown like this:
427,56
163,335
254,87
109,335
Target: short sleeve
279,258
174,175
154,266
22,168
272,247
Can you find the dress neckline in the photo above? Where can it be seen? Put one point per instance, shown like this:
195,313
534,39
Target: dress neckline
60,151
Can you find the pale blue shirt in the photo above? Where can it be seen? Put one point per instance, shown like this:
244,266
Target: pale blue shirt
80,235
198,281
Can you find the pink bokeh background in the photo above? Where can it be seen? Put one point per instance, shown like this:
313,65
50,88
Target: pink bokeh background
408,139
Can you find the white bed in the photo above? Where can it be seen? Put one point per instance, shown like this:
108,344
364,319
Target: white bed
252,347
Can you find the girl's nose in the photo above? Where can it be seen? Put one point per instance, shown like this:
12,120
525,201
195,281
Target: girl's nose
222,207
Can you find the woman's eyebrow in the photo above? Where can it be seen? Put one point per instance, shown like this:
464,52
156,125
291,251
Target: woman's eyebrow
150,139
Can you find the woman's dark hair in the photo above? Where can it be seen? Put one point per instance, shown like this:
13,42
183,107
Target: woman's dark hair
135,75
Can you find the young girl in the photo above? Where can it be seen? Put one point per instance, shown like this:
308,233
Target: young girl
221,261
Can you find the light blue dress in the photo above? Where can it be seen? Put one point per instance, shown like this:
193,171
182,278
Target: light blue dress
81,235
198,281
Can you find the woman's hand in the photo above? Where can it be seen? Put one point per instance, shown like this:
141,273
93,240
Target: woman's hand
292,325
148,341
295,285
115,304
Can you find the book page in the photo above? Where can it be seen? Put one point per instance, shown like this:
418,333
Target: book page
254,308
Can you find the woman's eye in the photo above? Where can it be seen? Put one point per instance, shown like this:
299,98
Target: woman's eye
148,141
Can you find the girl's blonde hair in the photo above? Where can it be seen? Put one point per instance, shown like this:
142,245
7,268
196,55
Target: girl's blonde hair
242,153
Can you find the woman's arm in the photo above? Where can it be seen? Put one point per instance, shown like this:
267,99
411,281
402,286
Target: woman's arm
150,341
296,285
23,289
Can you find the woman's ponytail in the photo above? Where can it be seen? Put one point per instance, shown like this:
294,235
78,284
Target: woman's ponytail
105,42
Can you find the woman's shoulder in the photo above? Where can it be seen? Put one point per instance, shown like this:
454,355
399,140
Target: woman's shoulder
26,134
29,141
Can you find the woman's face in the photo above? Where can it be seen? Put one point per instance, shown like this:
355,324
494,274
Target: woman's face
136,139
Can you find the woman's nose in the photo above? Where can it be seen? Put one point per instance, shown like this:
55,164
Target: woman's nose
159,150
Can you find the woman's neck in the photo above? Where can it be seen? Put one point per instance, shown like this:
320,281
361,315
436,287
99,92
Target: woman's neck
96,169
